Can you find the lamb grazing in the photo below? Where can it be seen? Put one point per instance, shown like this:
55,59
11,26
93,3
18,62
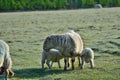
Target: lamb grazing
69,44
52,55
87,56
5,60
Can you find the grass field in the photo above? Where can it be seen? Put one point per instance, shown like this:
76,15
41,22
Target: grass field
25,33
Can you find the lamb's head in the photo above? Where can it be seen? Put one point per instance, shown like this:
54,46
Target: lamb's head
49,43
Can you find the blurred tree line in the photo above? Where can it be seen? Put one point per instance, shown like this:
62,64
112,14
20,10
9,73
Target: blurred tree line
6,5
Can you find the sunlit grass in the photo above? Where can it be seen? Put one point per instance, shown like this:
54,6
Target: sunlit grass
26,31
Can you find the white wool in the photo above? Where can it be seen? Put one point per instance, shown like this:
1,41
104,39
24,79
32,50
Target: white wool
88,57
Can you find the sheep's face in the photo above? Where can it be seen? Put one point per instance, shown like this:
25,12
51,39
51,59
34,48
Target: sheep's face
48,44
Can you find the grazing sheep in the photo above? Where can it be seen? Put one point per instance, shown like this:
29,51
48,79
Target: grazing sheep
69,44
98,6
53,55
87,56
5,60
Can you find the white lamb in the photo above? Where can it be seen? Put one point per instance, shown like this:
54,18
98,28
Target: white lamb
52,55
88,57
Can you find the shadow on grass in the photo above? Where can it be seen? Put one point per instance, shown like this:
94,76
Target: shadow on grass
34,72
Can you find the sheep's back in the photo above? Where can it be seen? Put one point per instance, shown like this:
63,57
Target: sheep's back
78,43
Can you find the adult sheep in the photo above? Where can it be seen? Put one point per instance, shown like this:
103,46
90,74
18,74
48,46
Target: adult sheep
52,55
69,44
88,57
5,60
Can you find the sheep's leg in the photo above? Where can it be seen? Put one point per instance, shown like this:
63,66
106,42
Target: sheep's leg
6,74
43,59
51,64
72,61
83,63
91,63
43,62
59,64
48,64
65,64
79,60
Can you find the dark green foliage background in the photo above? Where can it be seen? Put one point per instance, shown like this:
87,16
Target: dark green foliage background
6,5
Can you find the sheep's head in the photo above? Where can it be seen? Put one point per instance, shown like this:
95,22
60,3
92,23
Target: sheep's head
49,43
11,73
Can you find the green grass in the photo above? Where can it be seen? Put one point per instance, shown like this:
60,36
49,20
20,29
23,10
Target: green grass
25,33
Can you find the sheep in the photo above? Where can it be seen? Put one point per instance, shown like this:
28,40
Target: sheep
69,44
53,55
98,6
87,56
5,60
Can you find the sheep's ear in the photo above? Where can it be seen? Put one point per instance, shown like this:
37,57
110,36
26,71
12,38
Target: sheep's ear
48,38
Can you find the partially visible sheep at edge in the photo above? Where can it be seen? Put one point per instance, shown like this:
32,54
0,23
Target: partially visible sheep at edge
52,55
88,57
5,60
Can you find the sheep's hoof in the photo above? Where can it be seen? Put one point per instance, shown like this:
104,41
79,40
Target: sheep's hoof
59,67
42,68
49,67
82,67
92,67
65,68
68,65
73,68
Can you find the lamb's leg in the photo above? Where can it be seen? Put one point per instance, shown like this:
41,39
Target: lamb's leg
51,64
59,64
91,63
48,64
83,63
43,59
6,74
72,61
43,62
